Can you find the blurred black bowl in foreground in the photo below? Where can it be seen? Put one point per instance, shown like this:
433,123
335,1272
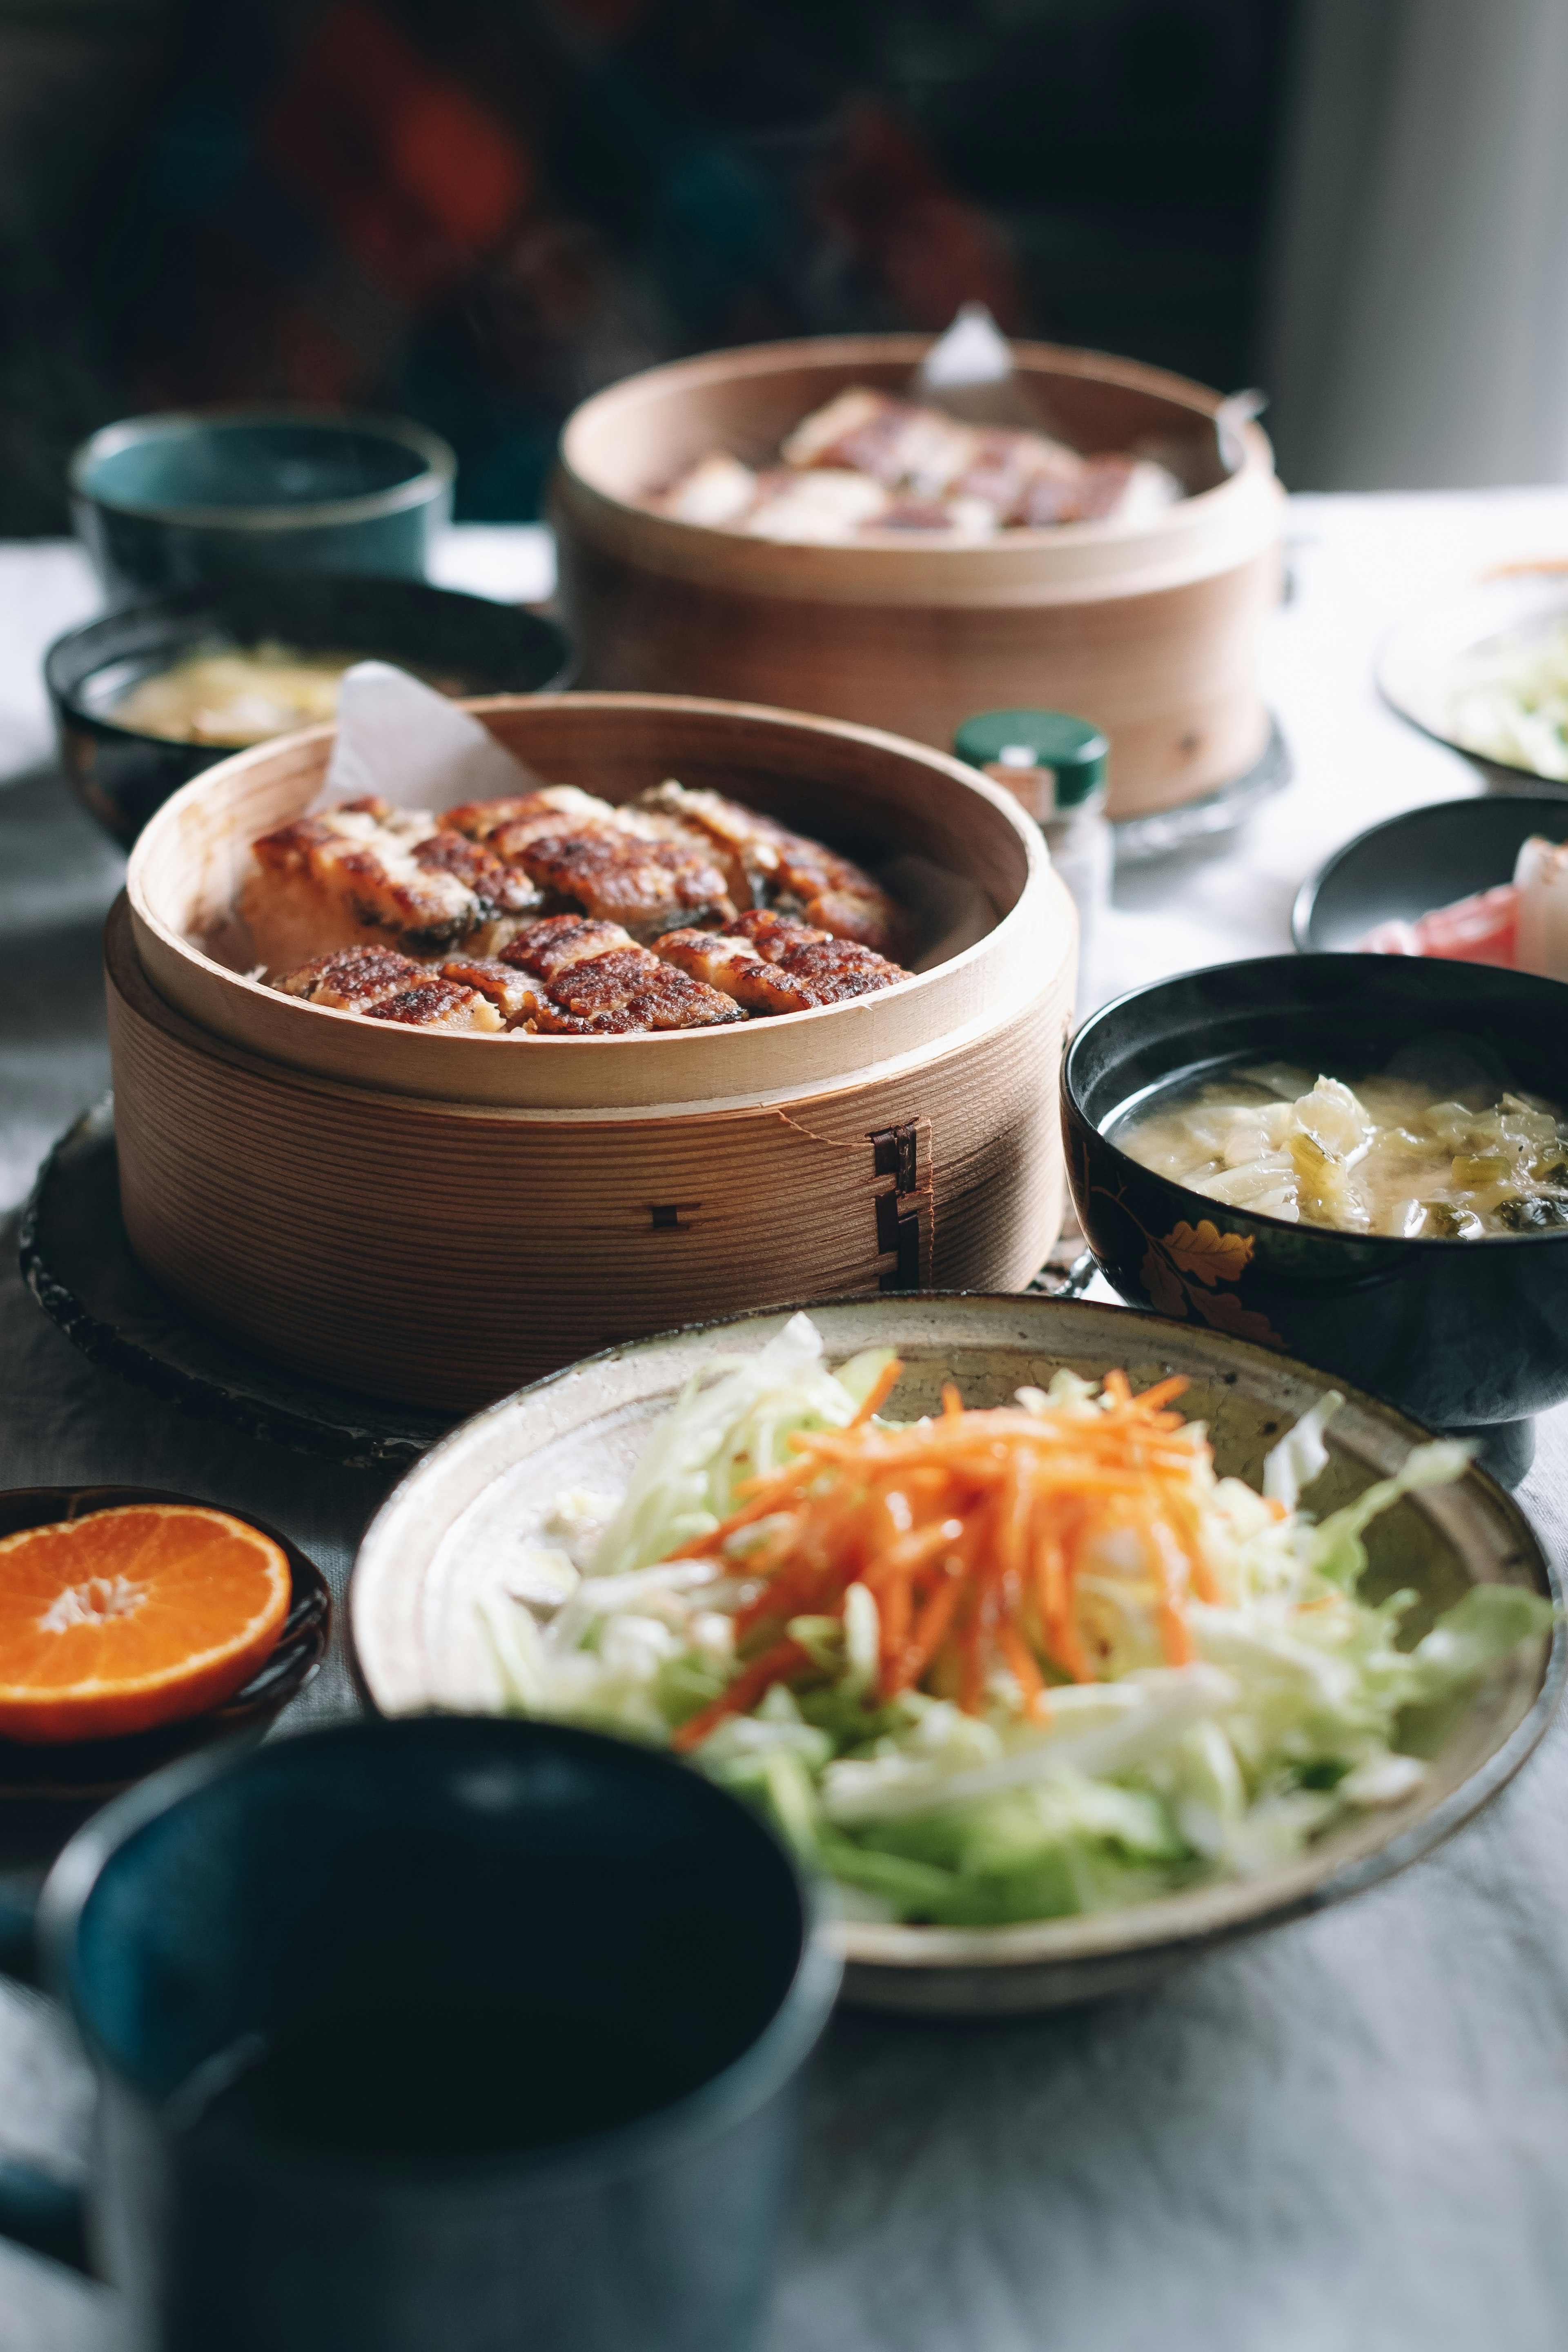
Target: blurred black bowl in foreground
122,775
1464,1335
1411,863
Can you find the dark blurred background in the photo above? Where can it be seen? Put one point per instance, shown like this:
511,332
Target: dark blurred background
477,211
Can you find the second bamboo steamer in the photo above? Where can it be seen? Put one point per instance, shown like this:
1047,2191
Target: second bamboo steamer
1154,631
440,1218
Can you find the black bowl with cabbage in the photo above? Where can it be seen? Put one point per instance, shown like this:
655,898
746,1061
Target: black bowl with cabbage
1465,1334
121,773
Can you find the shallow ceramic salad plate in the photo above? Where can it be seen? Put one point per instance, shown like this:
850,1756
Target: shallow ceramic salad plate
1493,637
461,1537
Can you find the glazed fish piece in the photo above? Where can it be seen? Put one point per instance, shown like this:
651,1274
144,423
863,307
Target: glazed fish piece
366,873
597,980
516,998
432,1002
383,985
614,875
506,827
607,863
970,478
502,896
819,968
767,865
716,492
1108,489
352,979
549,948
898,445
824,508
348,878
732,966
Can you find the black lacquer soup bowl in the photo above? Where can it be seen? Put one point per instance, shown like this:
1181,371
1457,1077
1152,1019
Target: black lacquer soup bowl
122,775
1464,1335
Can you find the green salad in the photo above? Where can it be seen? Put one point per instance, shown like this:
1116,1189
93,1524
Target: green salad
992,1665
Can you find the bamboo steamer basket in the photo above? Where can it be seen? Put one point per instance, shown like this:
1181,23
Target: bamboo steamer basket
1153,632
439,1218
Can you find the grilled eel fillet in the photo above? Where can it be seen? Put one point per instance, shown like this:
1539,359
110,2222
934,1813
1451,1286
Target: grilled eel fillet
568,976
384,985
367,874
595,980
1013,478
765,865
613,866
773,963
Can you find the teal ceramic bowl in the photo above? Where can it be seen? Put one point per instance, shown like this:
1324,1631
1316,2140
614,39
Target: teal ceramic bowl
176,501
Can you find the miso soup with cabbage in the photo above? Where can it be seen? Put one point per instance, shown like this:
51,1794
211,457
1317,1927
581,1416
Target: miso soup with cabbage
1391,1155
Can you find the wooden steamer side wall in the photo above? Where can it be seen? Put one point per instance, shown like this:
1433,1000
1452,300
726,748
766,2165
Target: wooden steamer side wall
444,1253
1153,632
1170,673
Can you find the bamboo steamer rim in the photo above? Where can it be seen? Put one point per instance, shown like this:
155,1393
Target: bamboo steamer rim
787,1055
1206,533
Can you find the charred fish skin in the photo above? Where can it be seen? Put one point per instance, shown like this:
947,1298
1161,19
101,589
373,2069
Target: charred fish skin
614,875
505,827
547,947
503,897
632,982
361,858
477,893
351,978
598,979
821,969
516,998
734,967
433,1003
609,864
380,984
766,865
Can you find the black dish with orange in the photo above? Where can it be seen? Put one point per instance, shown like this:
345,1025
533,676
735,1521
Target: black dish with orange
78,1770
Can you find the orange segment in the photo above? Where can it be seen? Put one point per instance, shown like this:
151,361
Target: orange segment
128,1618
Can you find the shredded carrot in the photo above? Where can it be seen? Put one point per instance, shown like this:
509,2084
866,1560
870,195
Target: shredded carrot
970,1530
931,1631
882,1388
896,1603
750,1685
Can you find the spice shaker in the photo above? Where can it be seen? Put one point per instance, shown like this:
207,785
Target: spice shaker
1054,765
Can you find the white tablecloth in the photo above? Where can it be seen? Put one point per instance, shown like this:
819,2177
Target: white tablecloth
1353,2132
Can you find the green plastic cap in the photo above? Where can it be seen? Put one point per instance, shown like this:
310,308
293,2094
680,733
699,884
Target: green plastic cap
1017,745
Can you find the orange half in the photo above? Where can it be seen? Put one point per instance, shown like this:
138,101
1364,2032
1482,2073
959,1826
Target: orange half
125,1619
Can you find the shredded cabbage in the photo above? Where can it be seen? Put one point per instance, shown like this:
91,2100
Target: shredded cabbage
1147,1779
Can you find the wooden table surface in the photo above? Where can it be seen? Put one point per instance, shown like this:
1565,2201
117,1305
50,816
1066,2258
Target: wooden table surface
1353,2132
